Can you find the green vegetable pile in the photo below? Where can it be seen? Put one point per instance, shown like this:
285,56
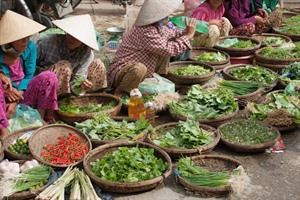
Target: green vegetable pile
76,85
210,57
282,52
187,134
293,25
102,127
243,44
66,105
199,104
240,88
248,132
125,98
20,147
293,70
129,165
273,40
253,73
190,70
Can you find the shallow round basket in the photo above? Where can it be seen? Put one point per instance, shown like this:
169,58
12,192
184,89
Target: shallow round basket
48,135
212,163
237,52
294,37
11,138
178,152
295,10
93,98
196,51
186,80
228,76
275,68
243,100
263,36
119,187
248,148
211,122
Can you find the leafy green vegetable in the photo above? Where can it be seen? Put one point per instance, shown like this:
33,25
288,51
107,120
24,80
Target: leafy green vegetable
243,44
240,88
210,57
281,52
293,71
76,85
292,25
273,40
190,70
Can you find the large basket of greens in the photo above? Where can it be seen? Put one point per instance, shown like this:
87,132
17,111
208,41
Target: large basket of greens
59,145
248,136
16,144
289,73
208,107
104,129
244,72
217,59
190,72
237,46
77,109
290,28
127,167
184,138
270,39
209,175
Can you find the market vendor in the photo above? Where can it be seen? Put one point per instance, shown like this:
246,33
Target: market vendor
148,46
71,55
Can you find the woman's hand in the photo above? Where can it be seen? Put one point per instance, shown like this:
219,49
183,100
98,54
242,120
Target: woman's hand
263,13
13,95
190,27
216,22
11,109
259,20
86,84
6,82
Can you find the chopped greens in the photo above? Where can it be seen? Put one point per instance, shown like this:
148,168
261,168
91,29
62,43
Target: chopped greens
273,40
243,44
210,57
190,70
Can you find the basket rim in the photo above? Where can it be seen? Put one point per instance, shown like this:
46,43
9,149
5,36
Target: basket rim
263,58
257,46
211,50
200,149
1,145
162,177
277,30
264,35
41,160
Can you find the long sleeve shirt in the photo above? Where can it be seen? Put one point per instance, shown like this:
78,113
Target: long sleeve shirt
205,13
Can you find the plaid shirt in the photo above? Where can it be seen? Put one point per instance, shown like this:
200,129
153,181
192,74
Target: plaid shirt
53,48
145,44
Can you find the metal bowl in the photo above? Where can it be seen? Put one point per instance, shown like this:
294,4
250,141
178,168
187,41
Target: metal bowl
115,30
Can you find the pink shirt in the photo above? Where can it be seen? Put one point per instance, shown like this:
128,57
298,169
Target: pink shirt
16,72
205,13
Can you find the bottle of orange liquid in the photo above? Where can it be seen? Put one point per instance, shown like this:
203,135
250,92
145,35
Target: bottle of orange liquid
150,113
136,107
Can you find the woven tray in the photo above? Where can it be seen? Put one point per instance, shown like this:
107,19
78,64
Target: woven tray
211,122
118,187
195,79
93,98
253,148
237,52
48,135
211,163
294,37
263,36
196,51
243,100
10,139
271,61
178,152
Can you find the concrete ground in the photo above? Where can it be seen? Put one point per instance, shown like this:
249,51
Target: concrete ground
273,175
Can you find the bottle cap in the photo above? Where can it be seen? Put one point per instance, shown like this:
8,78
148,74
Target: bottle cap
136,92
149,104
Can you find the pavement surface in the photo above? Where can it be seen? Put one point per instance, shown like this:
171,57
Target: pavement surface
273,175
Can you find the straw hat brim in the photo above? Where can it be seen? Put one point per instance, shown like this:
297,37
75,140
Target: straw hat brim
14,26
80,27
155,10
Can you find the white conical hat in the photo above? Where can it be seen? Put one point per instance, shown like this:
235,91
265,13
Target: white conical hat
80,27
14,26
155,10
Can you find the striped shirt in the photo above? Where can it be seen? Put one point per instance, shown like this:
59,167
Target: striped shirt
145,44
205,13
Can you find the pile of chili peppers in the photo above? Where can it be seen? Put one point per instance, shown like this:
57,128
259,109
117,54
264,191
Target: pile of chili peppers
68,150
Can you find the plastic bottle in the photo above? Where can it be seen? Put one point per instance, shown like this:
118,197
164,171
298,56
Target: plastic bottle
136,107
150,113
201,26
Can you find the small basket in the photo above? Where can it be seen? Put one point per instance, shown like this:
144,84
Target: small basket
11,138
263,36
211,163
188,80
48,135
94,98
178,152
118,187
237,52
248,148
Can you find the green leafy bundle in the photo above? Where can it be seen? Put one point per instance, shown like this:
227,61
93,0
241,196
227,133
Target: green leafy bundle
240,88
294,71
210,57
190,70
243,44
282,52
273,40
292,25
76,85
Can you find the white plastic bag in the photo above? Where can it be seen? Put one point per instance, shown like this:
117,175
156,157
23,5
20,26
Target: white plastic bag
157,84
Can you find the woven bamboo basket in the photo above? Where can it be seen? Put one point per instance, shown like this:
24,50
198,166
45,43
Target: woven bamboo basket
11,138
275,68
295,10
243,100
119,187
211,163
188,80
93,98
248,148
1,150
263,36
1,156
237,52
294,37
48,135
178,152
228,76
196,51
211,122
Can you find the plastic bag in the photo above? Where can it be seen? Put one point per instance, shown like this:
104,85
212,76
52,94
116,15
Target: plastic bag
157,84
201,26
229,42
24,117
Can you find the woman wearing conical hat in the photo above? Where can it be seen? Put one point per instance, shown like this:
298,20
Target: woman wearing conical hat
71,55
18,63
148,43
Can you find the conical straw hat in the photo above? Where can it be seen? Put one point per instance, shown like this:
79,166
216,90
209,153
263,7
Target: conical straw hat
14,26
80,27
155,10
